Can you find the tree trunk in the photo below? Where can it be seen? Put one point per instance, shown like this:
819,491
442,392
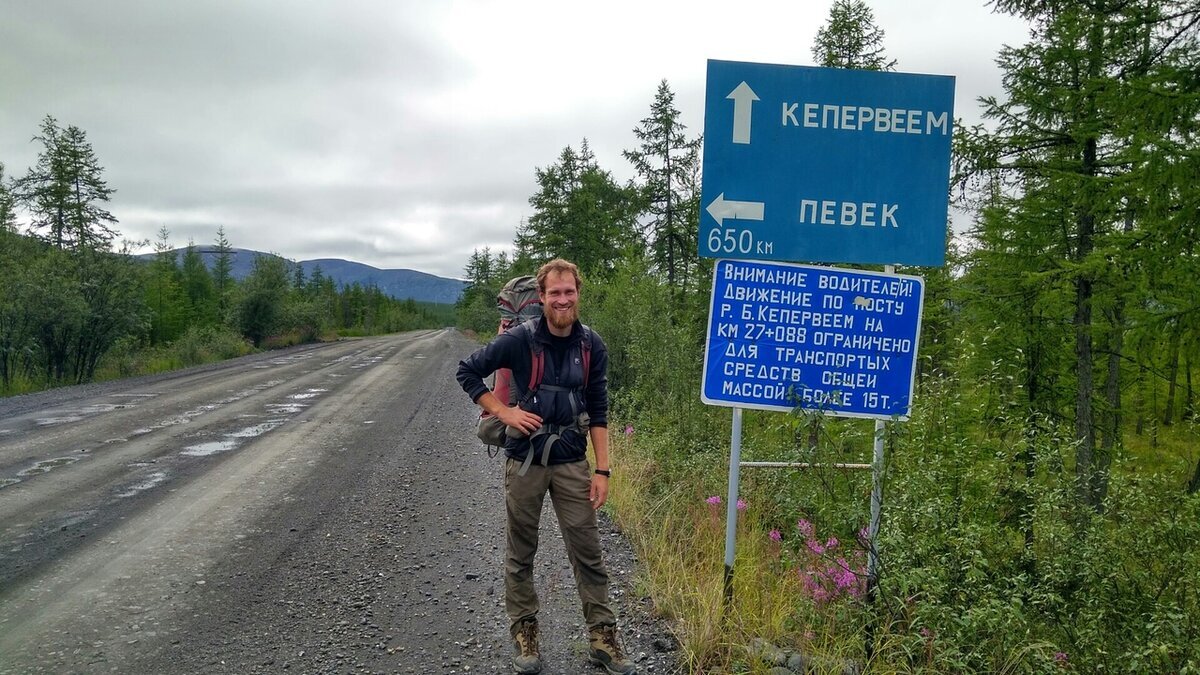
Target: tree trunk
1189,403
1194,484
1172,376
1085,430
1112,394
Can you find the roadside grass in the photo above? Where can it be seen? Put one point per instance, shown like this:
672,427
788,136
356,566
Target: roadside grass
680,537
989,563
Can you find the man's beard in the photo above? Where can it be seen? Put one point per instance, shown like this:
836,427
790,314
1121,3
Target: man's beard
561,320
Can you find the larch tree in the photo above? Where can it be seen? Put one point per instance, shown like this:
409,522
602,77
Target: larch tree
666,162
851,39
64,191
580,213
1094,105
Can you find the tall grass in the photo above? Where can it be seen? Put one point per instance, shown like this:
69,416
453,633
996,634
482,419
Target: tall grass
988,562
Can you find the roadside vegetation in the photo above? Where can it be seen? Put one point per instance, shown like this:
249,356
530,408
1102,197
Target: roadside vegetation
76,307
1040,510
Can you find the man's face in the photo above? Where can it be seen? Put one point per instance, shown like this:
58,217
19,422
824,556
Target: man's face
560,300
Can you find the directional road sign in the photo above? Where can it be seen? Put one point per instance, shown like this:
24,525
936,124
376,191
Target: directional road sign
842,342
825,164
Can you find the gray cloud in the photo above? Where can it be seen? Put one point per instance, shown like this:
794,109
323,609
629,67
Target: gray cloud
397,133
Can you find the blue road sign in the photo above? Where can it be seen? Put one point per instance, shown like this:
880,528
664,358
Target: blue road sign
842,342
825,164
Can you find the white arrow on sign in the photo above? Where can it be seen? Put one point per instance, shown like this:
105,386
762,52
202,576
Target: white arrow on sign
743,100
721,208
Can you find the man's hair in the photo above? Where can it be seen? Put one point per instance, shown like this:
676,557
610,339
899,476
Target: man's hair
562,267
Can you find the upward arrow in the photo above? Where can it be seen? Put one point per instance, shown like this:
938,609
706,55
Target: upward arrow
743,100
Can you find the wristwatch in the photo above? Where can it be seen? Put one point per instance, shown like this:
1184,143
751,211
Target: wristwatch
604,472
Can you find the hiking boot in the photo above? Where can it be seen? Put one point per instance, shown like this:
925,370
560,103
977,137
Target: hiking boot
525,648
605,651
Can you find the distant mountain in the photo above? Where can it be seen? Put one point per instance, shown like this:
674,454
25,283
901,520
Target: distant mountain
400,284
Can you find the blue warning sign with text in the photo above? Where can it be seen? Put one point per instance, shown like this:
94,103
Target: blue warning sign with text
841,342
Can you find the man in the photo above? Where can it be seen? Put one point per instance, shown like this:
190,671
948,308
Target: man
546,451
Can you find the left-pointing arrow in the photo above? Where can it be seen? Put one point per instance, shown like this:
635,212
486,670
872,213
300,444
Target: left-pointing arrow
743,100
721,208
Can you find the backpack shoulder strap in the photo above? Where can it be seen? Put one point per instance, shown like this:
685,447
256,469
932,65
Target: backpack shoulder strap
537,356
585,348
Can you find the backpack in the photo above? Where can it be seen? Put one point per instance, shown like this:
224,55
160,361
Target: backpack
493,432
518,302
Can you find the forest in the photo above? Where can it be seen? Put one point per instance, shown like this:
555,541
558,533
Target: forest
77,306
1040,508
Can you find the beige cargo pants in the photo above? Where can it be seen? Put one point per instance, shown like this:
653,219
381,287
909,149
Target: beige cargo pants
569,486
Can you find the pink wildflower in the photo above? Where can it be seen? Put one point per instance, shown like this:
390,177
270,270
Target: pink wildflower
832,542
775,535
926,633
815,546
741,505
805,527
628,430
714,500
1060,658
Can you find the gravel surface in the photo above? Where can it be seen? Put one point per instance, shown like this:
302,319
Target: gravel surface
362,531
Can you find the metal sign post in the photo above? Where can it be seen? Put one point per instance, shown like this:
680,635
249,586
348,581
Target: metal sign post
735,457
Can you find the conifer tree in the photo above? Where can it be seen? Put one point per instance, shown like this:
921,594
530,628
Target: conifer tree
64,191
666,161
1098,106
8,205
850,39
580,213
222,274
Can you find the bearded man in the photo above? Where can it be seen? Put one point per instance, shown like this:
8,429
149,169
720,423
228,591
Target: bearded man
560,373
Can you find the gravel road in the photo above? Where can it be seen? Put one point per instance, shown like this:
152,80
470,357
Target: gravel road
324,509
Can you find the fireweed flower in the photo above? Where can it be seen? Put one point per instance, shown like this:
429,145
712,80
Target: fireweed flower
1060,658
628,430
832,542
713,500
741,505
805,527
775,535
816,547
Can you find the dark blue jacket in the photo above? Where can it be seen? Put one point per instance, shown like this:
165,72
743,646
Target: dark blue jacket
510,350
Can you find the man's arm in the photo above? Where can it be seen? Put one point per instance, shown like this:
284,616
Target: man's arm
511,415
500,353
599,493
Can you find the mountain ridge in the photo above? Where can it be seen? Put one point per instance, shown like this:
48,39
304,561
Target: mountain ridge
401,284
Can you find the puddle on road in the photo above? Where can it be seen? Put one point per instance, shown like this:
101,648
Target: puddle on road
189,415
51,421
311,393
285,408
367,363
152,481
5,482
206,449
46,465
68,416
257,430
234,439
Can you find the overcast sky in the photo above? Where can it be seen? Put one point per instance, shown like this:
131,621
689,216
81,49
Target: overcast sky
398,133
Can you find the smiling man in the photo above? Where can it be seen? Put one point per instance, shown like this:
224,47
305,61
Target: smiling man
560,373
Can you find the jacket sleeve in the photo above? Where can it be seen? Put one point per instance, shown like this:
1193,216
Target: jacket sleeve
499,353
597,389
